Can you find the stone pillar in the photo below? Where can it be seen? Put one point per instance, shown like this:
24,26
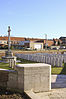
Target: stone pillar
36,77
12,62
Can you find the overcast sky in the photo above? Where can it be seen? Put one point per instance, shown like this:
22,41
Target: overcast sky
33,18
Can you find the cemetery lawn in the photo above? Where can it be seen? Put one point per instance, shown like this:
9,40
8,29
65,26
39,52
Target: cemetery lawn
54,70
23,61
59,70
6,65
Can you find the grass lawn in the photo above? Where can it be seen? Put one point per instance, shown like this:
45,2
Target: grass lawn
23,61
6,65
59,70
54,70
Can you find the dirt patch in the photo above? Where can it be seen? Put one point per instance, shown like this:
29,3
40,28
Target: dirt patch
4,94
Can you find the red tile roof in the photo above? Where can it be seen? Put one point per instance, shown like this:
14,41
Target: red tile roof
49,42
13,38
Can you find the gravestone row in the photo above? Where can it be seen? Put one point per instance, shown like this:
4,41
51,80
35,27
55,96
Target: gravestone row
52,59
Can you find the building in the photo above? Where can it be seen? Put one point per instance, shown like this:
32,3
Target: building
32,43
3,43
57,42
63,39
36,45
20,42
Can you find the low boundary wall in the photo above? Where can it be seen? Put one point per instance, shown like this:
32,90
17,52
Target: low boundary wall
15,81
8,79
36,77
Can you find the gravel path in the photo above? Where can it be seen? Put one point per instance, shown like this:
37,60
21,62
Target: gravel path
54,94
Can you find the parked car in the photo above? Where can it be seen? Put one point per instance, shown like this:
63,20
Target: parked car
54,48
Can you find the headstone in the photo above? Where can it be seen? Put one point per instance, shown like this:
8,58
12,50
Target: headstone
54,61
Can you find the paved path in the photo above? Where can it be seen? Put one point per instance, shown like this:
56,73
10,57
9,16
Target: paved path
54,94
58,81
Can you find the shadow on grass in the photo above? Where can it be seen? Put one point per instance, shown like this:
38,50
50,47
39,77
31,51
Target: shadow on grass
24,61
64,70
59,81
59,70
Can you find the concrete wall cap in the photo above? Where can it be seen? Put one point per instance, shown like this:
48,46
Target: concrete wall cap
33,65
7,70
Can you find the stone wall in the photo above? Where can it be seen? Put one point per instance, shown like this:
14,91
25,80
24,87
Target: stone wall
36,77
3,78
8,79
12,80
22,80
26,77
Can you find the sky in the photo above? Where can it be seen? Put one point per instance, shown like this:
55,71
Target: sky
33,18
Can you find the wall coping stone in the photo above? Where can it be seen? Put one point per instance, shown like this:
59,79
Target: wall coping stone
33,65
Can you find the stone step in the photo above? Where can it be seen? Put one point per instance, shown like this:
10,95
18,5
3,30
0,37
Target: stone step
32,95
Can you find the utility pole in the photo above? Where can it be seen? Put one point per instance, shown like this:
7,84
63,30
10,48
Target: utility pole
45,41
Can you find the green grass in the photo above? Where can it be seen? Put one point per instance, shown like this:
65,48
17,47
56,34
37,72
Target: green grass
59,70
54,70
6,65
23,61
64,70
